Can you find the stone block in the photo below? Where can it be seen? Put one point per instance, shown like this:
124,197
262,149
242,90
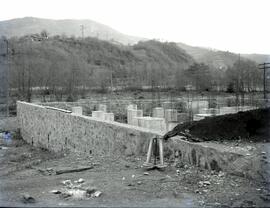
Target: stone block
156,124
77,110
167,105
109,116
132,106
158,112
102,107
131,114
98,115
171,115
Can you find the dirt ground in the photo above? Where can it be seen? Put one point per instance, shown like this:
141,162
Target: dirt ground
25,170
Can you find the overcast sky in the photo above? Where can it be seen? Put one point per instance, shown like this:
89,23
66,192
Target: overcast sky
233,25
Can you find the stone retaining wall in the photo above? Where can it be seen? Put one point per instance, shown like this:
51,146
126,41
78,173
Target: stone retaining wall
59,130
240,161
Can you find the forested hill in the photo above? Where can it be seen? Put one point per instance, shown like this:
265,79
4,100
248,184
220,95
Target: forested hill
214,58
68,62
220,59
69,27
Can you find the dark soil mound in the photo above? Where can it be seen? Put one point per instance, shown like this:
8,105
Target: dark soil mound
251,125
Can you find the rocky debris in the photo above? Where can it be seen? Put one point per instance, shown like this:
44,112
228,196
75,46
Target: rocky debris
97,194
244,203
221,174
90,190
56,192
3,148
67,182
26,198
81,180
265,195
204,183
250,148
77,191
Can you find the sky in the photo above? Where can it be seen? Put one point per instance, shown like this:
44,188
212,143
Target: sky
240,26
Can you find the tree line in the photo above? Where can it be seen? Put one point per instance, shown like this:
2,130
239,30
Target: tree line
69,67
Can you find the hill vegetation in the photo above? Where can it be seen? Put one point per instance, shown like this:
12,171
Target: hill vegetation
220,59
63,66
54,59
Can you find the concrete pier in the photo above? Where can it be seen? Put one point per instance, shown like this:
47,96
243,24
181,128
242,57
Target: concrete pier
109,116
171,115
167,105
132,116
102,107
77,110
156,124
132,106
158,112
98,115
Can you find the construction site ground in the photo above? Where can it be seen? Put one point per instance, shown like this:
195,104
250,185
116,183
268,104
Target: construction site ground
28,177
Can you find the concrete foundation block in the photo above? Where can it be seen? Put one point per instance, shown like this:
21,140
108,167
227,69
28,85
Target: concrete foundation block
198,104
98,115
156,124
132,106
167,105
109,116
102,107
171,115
131,114
77,110
158,112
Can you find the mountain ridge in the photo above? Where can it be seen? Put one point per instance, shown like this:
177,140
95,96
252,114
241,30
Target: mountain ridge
72,27
69,27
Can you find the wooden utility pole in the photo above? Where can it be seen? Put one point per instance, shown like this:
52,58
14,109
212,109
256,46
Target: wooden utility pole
264,66
82,30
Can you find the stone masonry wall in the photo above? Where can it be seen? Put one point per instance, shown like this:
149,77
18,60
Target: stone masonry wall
57,130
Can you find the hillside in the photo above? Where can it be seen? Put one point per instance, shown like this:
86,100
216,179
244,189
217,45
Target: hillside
220,59
70,63
214,58
258,58
68,27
